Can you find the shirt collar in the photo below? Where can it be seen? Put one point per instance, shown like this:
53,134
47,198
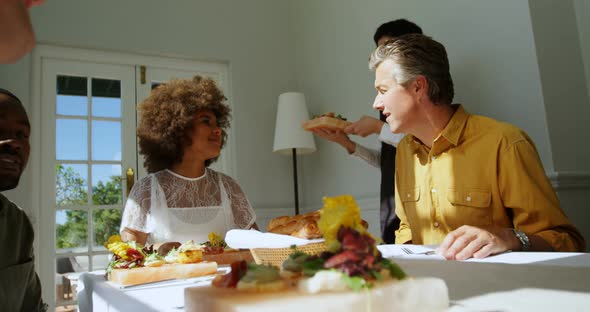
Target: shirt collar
454,129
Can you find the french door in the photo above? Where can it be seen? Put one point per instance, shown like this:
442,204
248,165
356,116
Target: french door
89,156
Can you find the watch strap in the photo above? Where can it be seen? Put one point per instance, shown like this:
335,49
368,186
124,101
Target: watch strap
523,238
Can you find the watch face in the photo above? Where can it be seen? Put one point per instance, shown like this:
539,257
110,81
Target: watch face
523,238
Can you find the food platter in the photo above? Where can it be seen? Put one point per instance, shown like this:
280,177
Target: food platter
421,294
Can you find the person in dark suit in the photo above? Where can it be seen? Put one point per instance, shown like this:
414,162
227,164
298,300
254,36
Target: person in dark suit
367,125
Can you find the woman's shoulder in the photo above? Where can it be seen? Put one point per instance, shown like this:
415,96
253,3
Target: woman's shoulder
142,187
222,176
144,181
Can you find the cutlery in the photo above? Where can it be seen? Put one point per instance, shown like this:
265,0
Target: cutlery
411,252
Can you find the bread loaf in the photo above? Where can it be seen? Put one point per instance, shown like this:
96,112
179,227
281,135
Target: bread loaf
278,221
302,225
308,230
144,275
286,228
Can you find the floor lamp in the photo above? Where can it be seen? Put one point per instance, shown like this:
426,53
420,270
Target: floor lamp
290,138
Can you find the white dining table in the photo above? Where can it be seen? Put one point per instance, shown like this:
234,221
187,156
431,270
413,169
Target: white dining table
513,281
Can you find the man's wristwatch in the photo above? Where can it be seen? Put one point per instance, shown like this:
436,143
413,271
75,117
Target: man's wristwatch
523,238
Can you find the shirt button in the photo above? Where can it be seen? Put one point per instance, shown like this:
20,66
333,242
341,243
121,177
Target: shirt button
433,190
433,158
468,198
408,195
436,224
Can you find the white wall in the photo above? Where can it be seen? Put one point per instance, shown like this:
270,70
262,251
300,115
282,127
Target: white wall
561,38
491,52
496,51
252,36
504,59
563,82
582,8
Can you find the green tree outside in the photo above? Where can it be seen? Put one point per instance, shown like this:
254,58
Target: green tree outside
71,190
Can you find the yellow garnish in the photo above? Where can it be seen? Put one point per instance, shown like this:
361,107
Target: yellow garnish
190,256
113,239
339,211
120,249
216,240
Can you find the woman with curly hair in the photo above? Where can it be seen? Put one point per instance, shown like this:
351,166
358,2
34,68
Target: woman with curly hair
181,132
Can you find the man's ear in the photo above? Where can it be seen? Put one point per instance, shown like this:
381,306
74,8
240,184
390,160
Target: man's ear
420,85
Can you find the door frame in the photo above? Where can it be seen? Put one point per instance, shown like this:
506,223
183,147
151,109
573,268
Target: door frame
44,252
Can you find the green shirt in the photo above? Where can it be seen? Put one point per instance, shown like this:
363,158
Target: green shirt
20,289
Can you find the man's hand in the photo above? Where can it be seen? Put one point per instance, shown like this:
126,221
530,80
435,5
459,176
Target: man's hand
336,136
365,126
31,3
16,32
469,241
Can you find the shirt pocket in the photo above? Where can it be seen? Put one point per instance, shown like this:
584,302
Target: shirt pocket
468,206
410,198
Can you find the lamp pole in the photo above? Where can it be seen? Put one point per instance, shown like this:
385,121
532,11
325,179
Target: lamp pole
294,150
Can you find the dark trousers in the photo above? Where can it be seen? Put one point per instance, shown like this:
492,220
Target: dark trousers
389,221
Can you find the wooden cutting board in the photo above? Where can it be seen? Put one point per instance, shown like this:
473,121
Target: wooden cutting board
143,275
420,294
230,256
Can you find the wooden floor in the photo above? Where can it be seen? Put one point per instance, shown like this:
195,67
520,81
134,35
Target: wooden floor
69,308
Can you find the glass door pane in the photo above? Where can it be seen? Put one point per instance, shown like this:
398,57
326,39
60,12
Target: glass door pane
92,109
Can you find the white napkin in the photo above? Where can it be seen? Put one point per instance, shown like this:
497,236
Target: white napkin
246,239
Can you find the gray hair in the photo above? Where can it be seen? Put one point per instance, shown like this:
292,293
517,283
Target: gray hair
418,55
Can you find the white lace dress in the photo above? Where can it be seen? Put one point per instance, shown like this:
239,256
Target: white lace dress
170,207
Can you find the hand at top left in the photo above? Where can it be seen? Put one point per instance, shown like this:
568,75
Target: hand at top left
32,3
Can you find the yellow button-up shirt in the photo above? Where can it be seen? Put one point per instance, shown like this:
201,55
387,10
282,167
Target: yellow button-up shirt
478,172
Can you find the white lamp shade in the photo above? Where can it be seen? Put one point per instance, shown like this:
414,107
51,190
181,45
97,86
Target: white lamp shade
291,114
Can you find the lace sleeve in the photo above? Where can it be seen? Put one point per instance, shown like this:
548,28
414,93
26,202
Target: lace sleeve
137,206
244,215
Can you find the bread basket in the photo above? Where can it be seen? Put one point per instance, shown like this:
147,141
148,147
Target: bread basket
276,256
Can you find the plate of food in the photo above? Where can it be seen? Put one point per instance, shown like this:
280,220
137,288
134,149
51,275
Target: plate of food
329,120
216,249
350,275
134,264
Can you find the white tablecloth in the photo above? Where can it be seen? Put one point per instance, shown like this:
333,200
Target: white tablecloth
497,276
525,299
97,294
575,259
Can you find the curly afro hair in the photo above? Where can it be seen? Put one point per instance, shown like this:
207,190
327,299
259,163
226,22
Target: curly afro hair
167,118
